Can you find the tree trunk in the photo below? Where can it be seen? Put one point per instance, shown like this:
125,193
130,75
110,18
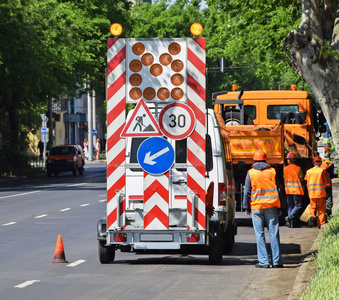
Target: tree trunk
313,52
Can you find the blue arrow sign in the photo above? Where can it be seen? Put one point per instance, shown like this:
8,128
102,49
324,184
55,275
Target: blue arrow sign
43,130
94,132
155,155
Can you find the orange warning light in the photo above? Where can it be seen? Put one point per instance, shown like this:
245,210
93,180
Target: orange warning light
135,65
156,69
177,93
177,65
147,59
138,48
165,59
174,48
116,29
177,79
163,93
135,79
135,93
196,29
149,93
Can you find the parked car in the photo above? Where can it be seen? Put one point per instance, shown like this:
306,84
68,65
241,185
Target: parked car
65,158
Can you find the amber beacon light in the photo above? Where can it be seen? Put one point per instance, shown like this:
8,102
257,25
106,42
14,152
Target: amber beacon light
196,29
116,29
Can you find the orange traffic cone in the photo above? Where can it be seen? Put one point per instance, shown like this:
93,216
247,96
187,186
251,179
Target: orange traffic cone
59,254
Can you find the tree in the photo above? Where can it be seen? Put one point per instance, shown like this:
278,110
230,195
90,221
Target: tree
249,34
48,49
313,50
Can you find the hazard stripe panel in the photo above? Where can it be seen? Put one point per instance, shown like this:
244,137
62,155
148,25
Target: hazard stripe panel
196,147
116,82
156,198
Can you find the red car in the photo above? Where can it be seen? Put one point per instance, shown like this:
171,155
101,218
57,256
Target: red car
65,158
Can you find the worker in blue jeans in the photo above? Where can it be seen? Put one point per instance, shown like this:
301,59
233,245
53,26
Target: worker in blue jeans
262,200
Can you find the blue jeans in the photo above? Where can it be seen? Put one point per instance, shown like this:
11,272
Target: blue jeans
294,206
268,216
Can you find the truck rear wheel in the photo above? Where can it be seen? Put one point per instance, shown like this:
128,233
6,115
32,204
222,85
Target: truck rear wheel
106,253
232,117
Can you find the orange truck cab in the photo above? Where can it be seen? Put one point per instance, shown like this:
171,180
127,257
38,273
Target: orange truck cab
276,121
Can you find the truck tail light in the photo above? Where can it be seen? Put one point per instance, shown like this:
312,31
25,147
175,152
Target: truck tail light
120,237
222,194
193,237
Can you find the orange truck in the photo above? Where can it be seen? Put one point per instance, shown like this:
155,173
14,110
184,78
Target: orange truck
276,121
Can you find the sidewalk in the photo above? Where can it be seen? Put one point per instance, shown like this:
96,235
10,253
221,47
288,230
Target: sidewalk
297,246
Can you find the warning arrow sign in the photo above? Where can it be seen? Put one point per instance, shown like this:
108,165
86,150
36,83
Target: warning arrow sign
141,123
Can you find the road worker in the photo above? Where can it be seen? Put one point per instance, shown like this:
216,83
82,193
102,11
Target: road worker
317,179
262,200
328,166
293,176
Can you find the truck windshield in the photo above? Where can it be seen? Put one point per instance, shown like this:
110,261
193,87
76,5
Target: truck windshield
62,151
273,111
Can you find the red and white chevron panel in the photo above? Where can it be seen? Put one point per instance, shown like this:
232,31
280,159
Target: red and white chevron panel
156,200
116,99
196,147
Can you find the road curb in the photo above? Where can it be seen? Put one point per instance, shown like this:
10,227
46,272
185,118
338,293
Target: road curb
303,277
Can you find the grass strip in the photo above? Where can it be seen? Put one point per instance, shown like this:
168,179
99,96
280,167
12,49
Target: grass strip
325,283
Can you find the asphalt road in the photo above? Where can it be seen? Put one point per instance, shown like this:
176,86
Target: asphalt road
35,211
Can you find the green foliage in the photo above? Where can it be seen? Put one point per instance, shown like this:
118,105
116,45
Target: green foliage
249,35
48,49
331,151
325,284
327,50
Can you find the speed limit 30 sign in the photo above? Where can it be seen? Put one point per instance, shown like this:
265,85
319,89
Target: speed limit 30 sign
177,121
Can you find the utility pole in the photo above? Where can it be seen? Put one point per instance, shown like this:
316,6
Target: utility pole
90,127
94,117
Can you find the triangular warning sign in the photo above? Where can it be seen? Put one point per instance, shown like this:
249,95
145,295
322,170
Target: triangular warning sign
141,123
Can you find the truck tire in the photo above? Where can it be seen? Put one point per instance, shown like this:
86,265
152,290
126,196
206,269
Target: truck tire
215,249
106,253
49,173
233,118
74,171
229,238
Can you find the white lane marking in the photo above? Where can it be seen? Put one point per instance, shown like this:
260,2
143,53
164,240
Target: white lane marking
17,195
83,205
26,283
76,184
65,209
103,200
41,216
78,262
10,223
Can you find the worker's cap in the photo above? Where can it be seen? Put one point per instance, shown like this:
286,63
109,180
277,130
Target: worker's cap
291,155
317,159
260,155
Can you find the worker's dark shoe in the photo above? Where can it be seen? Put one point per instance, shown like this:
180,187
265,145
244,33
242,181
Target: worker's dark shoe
288,222
262,266
311,222
295,223
278,266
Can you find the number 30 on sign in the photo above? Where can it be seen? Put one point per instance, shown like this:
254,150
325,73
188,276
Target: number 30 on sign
177,121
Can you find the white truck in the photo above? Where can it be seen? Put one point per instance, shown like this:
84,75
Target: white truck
169,169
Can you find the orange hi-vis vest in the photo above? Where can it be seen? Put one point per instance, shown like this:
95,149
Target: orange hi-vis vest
292,182
316,181
325,165
264,192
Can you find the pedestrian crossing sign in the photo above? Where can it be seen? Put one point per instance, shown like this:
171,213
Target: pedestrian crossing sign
141,123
